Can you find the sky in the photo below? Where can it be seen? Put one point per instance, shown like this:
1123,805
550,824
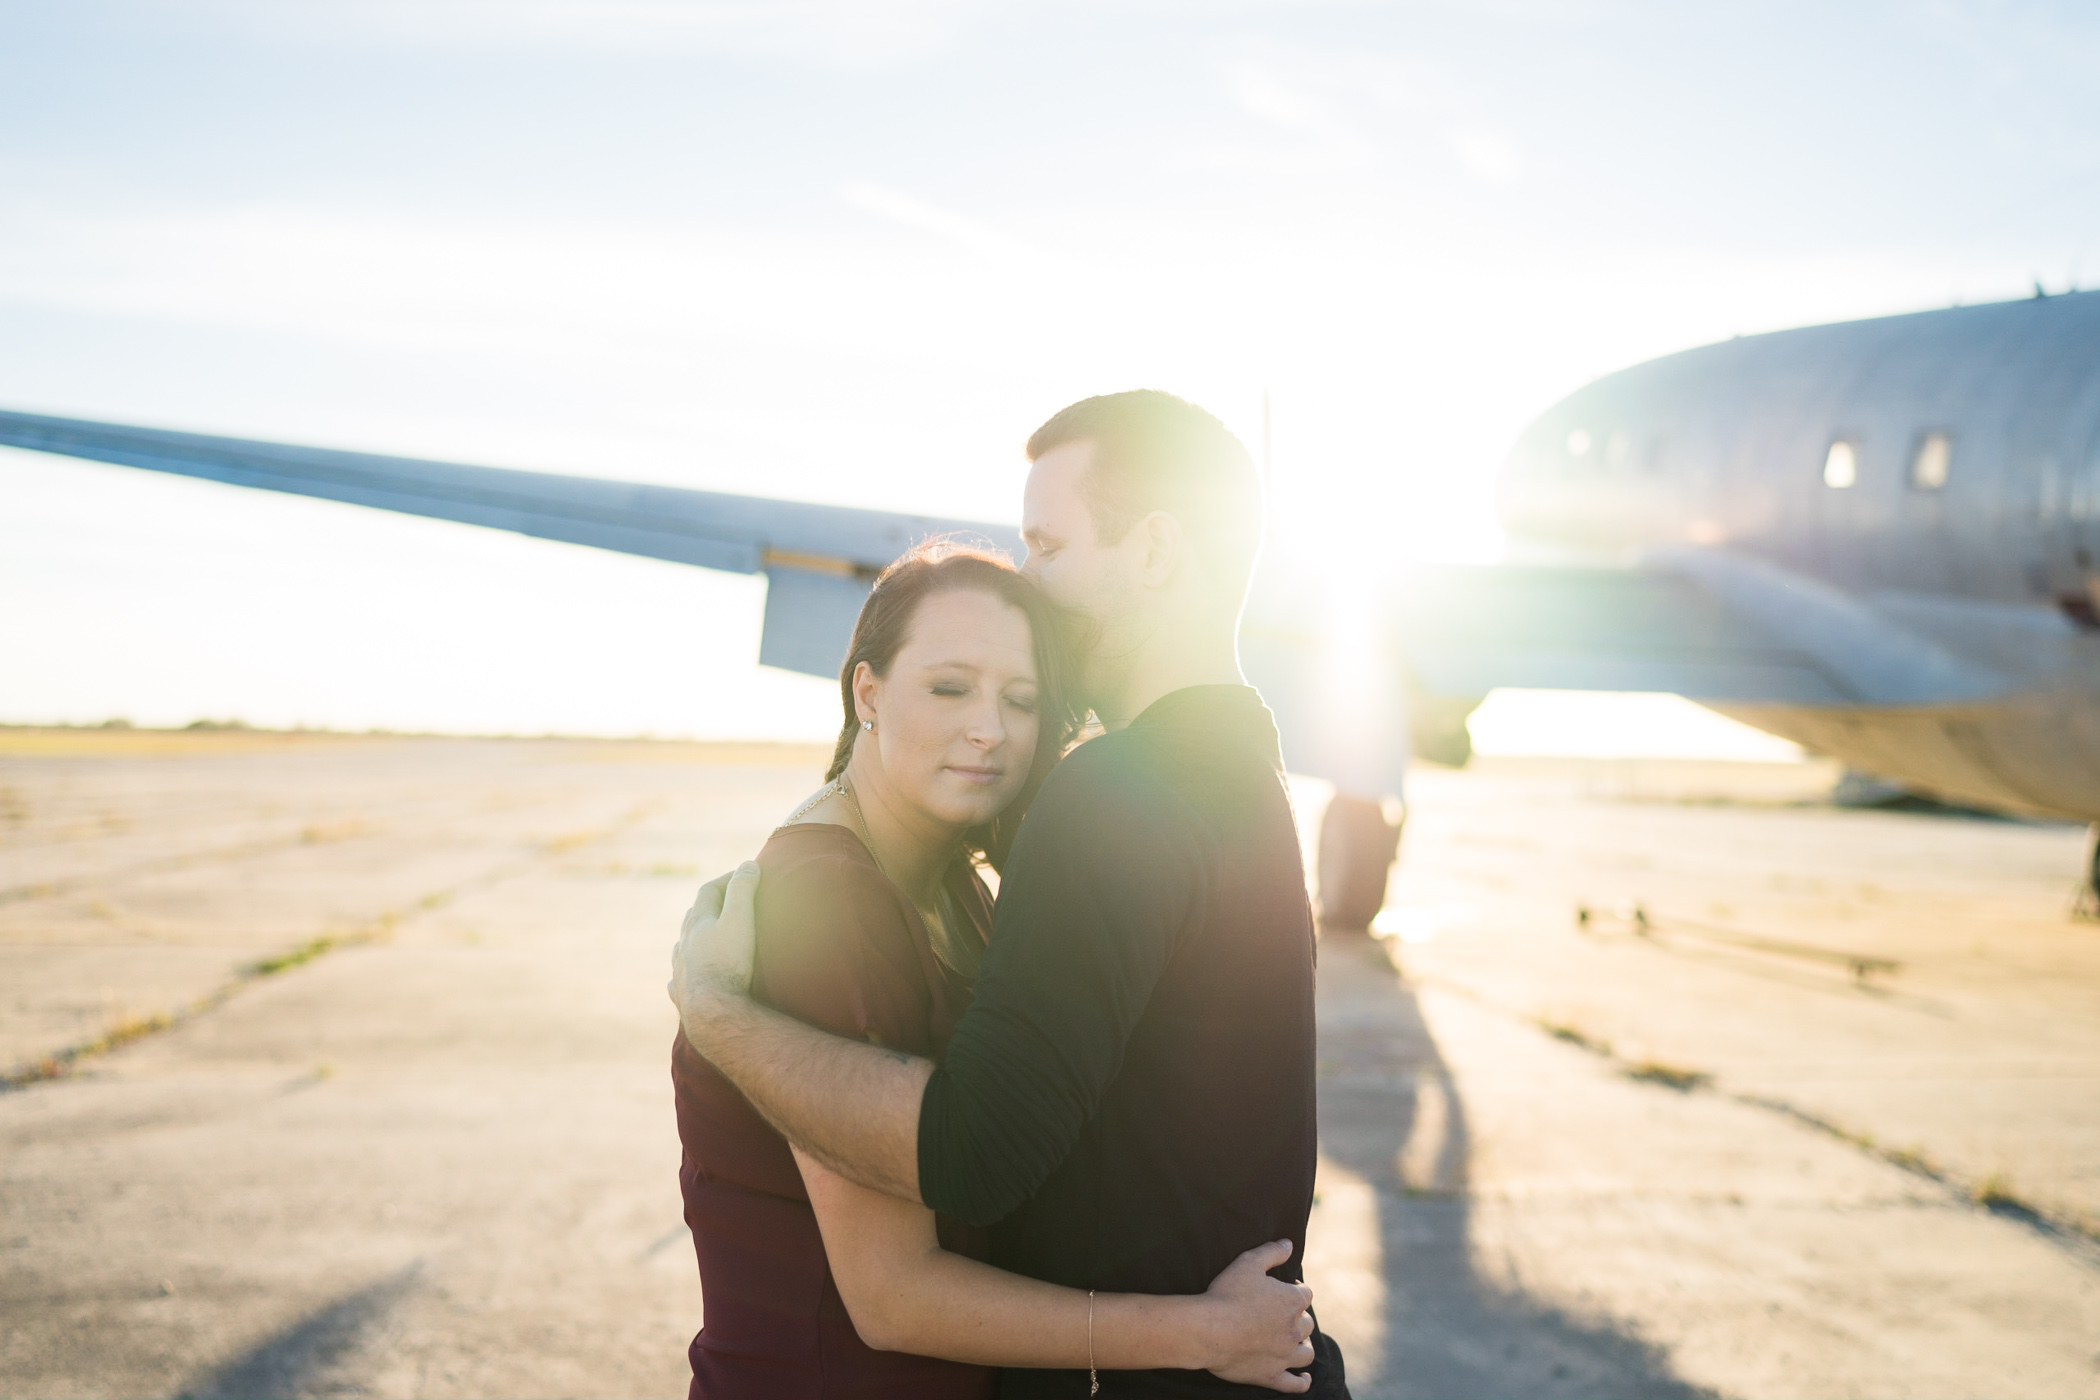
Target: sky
855,251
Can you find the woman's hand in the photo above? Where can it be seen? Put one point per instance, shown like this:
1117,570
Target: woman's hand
1257,1328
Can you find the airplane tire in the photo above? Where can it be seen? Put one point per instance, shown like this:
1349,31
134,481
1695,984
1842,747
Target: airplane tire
1357,847
2087,905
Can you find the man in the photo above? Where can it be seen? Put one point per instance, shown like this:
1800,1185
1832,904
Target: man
1129,1102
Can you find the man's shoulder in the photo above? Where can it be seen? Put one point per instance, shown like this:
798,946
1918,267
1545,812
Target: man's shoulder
1116,768
1109,805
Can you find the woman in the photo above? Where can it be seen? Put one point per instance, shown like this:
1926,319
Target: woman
872,918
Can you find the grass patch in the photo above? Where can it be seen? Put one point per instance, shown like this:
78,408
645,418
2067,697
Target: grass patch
1646,1070
63,1062
2078,1230
575,839
1994,1192
99,741
1669,1076
1996,1195
294,957
1574,1035
320,834
118,1034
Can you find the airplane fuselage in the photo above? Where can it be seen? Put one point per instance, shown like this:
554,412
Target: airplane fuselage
1940,471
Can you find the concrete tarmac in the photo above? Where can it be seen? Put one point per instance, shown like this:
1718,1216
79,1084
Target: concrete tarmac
1703,1156
386,1112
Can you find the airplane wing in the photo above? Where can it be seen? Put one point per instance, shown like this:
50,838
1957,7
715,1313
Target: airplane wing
1702,623
1363,679
818,559
1356,682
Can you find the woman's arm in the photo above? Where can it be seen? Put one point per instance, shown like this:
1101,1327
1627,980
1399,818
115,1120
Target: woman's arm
905,1293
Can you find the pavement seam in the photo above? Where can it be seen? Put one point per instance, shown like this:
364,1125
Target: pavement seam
311,835
61,1064
2073,1236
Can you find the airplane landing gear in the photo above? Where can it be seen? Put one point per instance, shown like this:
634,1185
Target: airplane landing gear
1357,847
2087,907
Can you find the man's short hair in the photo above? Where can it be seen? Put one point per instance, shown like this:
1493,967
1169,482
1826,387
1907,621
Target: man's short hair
1153,451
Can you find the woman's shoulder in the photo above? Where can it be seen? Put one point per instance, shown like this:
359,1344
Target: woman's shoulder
806,843
837,943
817,878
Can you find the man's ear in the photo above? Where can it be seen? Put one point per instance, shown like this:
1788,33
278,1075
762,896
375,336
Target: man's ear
1166,549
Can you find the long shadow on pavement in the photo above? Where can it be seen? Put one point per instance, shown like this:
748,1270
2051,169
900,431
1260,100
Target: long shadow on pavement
311,1356
1390,1113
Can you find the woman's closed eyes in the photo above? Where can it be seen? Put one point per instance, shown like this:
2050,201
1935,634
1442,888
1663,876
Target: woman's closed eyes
955,690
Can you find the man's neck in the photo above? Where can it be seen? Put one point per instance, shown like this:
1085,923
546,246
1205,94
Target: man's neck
1160,670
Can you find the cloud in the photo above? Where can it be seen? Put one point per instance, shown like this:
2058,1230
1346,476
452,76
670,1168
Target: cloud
959,229
850,33
1487,157
1257,89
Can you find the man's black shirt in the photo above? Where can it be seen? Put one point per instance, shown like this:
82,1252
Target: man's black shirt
1129,1101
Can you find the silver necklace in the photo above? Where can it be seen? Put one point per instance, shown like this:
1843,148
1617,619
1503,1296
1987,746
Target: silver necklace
836,785
940,933
860,819
937,918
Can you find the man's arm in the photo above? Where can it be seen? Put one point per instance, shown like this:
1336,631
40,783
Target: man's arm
852,1106
1087,921
905,1293
1106,878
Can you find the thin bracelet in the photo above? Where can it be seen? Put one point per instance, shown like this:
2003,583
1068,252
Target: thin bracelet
1093,1377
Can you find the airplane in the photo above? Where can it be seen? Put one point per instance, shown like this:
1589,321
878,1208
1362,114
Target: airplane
1879,539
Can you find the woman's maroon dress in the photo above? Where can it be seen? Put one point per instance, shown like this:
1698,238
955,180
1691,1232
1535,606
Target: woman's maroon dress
842,948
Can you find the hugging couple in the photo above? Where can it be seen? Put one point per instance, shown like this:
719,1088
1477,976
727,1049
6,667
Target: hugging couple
1061,1143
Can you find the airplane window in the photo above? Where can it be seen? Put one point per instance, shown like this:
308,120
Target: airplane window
1579,443
1841,466
1928,469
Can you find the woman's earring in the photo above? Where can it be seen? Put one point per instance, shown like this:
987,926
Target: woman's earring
868,724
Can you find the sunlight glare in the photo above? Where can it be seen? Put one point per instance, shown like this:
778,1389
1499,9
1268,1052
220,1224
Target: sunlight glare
1613,724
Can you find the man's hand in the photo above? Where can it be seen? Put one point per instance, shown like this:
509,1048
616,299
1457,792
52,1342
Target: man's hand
711,962
853,1107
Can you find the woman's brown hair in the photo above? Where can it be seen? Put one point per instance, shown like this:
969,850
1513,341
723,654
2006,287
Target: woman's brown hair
944,565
